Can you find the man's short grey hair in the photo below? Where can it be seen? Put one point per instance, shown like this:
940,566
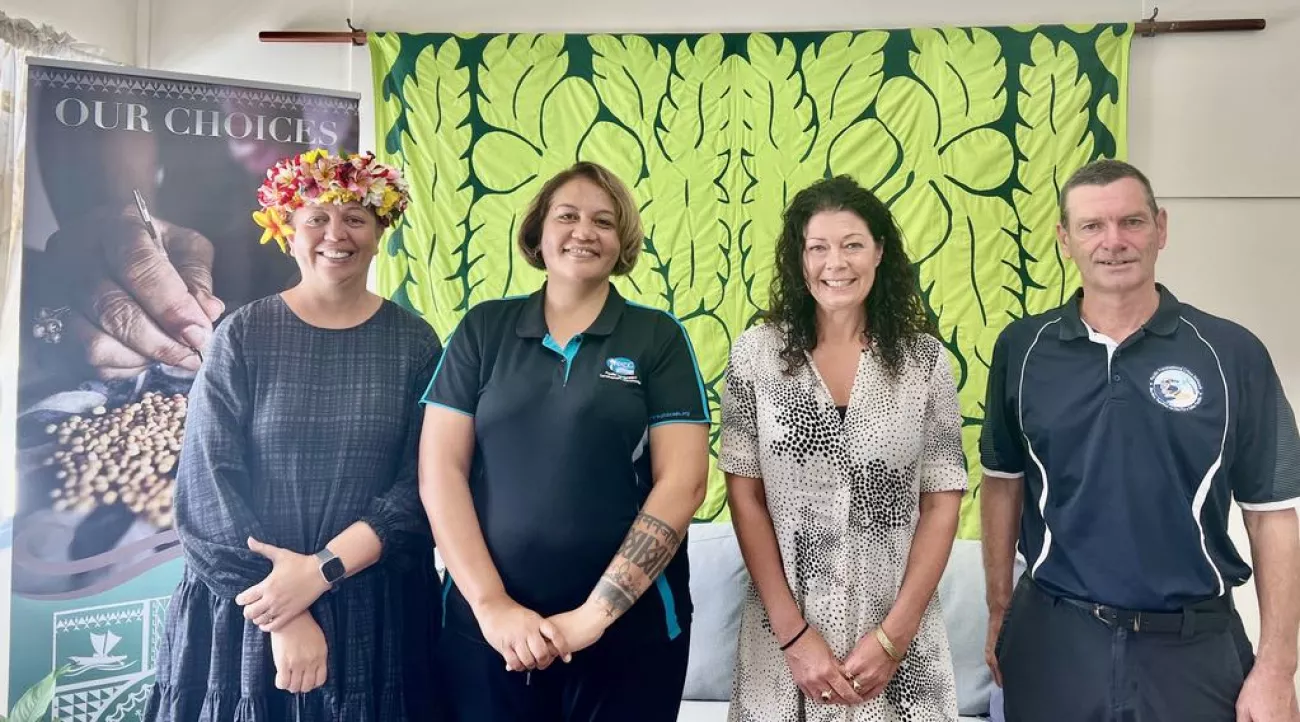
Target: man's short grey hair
1102,173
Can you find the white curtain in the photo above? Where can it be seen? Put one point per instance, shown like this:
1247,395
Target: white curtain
19,40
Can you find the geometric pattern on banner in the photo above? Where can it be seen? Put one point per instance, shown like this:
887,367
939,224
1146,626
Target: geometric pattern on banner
110,653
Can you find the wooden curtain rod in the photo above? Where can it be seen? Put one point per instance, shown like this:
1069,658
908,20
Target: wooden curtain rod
1146,28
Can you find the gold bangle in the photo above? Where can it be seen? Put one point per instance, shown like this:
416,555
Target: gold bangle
890,649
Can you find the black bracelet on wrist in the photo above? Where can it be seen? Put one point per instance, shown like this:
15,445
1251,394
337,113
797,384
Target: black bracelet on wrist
796,637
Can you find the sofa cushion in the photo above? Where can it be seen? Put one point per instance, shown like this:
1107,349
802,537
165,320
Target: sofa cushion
966,619
719,584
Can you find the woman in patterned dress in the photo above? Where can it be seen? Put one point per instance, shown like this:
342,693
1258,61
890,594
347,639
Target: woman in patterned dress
841,445
309,592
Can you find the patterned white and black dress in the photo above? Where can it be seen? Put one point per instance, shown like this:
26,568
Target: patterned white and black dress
844,493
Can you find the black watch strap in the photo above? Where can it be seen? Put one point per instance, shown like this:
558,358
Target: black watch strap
331,567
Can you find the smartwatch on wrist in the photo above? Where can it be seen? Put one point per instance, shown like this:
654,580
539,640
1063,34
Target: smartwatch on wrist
331,567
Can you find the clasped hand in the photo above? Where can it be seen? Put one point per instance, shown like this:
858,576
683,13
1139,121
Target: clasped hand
294,584
277,605
824,679
528,641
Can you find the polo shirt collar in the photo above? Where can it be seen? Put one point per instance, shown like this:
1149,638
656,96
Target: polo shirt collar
1163,323
532,321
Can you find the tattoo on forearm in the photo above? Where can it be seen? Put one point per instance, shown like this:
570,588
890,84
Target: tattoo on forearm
646,551
614,598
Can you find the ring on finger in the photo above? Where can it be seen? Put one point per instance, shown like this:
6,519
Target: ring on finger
826,696
857,686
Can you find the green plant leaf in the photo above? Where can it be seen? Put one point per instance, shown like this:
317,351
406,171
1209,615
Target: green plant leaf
35,702
925,215
503,161
842,74
748,256
968,282
965,71
691,209
517,73
710,335
686,238
961,239
391,269
778,134
871,154
1054,140
613,147
631,76
437,168
908,114
1112,50
687,107
568,113
631,79
980,160
494,268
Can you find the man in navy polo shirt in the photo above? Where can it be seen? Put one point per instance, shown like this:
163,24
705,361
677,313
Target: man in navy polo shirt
1118,430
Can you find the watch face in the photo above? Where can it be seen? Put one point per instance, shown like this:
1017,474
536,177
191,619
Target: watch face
332,570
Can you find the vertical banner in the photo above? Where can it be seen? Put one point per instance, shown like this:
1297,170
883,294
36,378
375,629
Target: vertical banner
137,240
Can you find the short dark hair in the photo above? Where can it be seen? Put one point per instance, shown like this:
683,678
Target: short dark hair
1102,173
627,217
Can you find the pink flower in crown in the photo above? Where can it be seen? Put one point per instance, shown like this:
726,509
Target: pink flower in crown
310,188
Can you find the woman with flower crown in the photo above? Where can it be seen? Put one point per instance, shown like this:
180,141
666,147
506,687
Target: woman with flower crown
309,590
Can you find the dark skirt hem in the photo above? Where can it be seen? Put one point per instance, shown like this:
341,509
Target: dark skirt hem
173,704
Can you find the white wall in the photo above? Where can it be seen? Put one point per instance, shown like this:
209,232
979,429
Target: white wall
109,24
1211,116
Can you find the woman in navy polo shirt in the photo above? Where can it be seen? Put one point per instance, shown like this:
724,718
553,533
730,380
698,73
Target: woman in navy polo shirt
571,451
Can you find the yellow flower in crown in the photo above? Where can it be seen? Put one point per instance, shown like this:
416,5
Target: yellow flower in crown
274,227
318,177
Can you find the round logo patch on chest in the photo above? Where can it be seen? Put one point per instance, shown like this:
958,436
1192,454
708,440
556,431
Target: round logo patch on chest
1176,388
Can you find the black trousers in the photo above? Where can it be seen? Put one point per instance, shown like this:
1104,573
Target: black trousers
1066,661
614,680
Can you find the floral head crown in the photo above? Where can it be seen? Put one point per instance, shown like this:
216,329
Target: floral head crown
318,177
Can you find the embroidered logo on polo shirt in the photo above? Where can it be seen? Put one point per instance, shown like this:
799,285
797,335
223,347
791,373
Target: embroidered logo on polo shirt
1176,388
622,369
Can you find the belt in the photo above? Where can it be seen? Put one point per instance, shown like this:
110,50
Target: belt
1211,615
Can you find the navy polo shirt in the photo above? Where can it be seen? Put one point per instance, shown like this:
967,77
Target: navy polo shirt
1133,452
561,464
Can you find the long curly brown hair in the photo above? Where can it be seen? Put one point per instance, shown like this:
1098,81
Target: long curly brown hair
896,314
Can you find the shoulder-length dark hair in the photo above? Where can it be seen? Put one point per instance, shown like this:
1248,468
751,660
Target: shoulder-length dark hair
896,314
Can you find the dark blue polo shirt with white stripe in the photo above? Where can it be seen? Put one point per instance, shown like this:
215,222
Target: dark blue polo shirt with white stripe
1132,453
561,462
